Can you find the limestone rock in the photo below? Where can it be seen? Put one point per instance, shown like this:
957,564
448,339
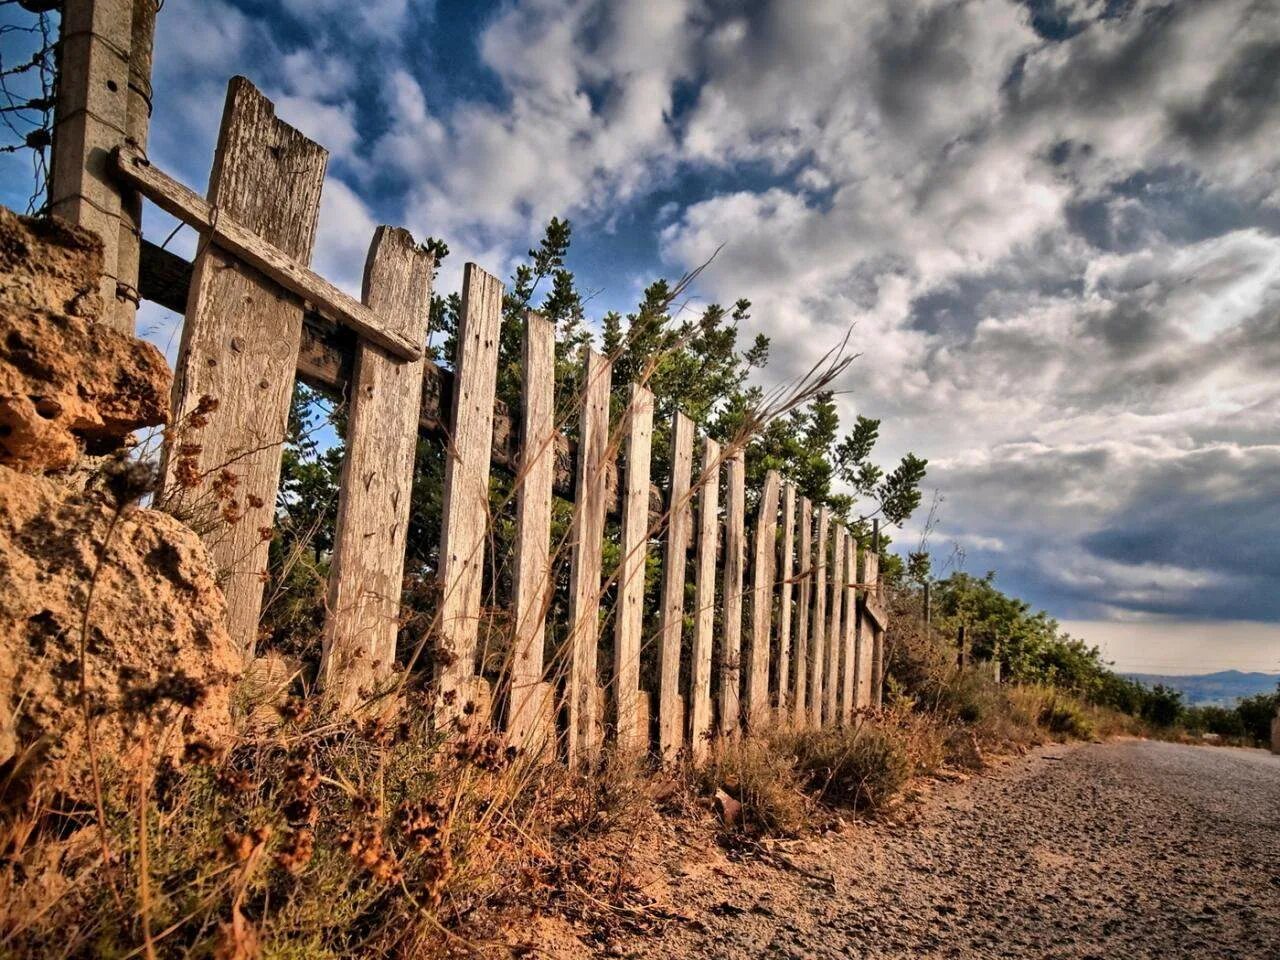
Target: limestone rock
68,385
158,665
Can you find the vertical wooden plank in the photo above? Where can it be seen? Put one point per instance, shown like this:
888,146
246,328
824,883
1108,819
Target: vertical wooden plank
762,603
799,700
465,523
786,573
366,568
90,119
818,634
835,630
671,613
629,619
848,661
240,347
584,564
705,599
871,572
529,717
862,641
735,544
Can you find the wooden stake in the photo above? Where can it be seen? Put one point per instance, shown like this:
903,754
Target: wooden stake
584,568
848,643
529,715
240,348
786,574
762,603
366,569
871,573
671,613
629,622
731,594
835,631
465,508
704,611
800,701
817,641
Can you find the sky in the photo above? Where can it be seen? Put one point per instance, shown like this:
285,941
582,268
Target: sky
1053,226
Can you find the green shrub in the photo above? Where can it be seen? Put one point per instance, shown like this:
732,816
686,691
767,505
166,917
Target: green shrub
861,767
1066,719
762,779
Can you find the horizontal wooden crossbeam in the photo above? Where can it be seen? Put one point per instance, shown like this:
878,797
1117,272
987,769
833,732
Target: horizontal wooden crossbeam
876,612
184,203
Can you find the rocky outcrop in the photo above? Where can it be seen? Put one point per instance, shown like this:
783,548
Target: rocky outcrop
152,655
68,385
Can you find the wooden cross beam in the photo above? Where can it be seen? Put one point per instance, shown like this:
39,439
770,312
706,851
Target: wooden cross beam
222,229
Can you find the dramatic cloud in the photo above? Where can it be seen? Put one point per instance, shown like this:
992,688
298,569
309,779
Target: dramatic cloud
1054,226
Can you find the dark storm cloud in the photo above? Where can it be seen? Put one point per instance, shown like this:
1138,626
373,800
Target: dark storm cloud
1240,102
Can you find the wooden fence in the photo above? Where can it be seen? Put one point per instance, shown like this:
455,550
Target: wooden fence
799,642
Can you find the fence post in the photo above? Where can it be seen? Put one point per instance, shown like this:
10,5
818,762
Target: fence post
531,713
817,650
465,503
928,604
240,347
671,613
848,642
634,549
731,594
835,633
704,600
762,603
877,635
582,691
800,702
786,574
103,99
366,569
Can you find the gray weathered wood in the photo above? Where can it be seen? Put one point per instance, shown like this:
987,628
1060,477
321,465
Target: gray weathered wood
532,583
585,563
871,579
786,574
861,641
848,658
219,226
800,701
671,611
735,545
464,529
704,605
240,348
835,630
634,550
91,117
818,624
366,568
766,553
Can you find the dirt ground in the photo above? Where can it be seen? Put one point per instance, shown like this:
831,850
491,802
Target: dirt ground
1125,849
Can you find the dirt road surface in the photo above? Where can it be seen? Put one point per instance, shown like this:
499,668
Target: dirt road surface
1127,849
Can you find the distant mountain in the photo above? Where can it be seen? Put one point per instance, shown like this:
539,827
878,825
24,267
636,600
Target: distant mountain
1220,689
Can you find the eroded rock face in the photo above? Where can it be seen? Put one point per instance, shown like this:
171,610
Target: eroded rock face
157,664
68,385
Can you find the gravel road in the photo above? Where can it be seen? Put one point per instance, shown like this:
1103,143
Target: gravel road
1127,849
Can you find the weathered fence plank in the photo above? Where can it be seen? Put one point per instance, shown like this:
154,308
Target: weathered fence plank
848,643
465,508
871,577
835,630
240,347
762,603
735,546
800,701
704,613
249,246
629,618
530,715
818,634
366,569
671,613
861,640
786,574
581,688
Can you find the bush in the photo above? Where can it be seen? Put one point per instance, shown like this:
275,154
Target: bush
1066,719
762,779
862,767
